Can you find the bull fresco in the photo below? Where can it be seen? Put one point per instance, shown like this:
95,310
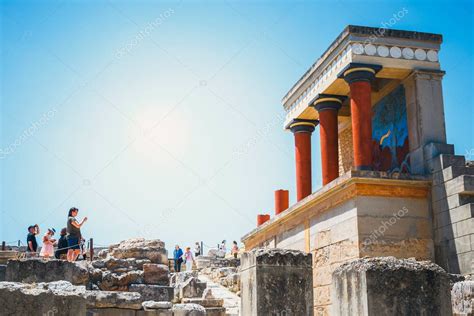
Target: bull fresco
390,133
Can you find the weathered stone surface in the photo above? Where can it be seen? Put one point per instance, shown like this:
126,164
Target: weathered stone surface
57,298
113,299
103,253
208,293
157,305
152,292
390,286
462,298
214,253
276,281
139,248
120,265
120,281
193,287
38,270
188,310
231,281
205,302
215,311
155,312
156,274
181,277
111,312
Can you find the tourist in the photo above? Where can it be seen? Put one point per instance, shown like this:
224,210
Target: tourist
32,244
62,245
74,234
178,258
197,249
189,259
235,249
48,244
222,247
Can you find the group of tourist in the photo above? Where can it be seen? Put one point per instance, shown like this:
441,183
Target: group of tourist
70,244
188,256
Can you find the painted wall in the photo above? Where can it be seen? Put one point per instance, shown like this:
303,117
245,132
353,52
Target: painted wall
390,133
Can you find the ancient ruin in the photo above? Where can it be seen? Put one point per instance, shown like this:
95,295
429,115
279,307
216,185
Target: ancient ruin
390,232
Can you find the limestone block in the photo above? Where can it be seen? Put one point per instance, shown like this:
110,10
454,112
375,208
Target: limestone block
140,248
155,312
58,298
462,298
205,302
465,227
188,310
120,281
113,299
443,161
216,311
37,270
111,312
156,274
390,286
276,281
150,292
193,287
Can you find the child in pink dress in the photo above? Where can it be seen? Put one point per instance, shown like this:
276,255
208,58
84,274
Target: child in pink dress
48,244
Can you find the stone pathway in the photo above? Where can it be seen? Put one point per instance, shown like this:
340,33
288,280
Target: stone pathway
231,300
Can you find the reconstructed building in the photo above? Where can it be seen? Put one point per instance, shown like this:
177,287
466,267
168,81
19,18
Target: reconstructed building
392,186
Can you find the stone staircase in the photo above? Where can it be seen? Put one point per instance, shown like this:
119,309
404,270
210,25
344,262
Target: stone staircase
231,300
453,212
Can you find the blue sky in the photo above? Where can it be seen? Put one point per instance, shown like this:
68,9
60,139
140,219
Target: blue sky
163,119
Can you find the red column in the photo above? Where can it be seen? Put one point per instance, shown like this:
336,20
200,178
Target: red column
303,165
282,201
359,77
329,145
302,130
361,112
262,218
328,105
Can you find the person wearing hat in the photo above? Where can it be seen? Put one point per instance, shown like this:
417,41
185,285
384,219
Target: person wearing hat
32,244
48,244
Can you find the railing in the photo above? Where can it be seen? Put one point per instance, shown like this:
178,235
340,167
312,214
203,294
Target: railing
18,244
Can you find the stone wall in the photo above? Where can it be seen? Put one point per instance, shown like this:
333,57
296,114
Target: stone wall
361,226
453,213
345,150
276,282
389,286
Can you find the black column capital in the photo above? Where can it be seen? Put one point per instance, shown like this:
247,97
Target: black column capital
359,72
324,102
302,125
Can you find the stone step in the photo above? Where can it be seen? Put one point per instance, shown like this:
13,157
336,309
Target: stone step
450,173
454,215
463,184
451,202
443,161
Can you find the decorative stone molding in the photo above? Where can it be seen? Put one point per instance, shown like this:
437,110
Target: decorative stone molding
354,44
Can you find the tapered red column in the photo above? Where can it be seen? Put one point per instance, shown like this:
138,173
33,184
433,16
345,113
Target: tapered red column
282,201
262,218
328,105
359,77
302,130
